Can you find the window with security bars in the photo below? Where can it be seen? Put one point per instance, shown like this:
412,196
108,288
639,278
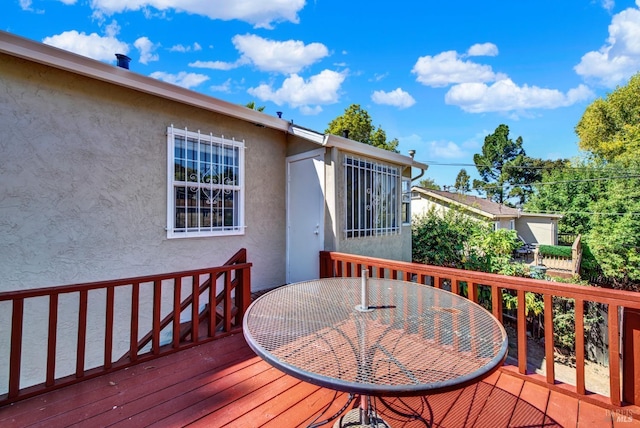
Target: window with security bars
205,186
371,197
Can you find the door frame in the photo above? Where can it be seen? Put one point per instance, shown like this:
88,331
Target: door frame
289,160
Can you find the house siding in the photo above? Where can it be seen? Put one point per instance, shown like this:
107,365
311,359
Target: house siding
84,183
538,230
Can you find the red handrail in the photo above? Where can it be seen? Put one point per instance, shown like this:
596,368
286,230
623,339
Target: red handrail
340,264
234,295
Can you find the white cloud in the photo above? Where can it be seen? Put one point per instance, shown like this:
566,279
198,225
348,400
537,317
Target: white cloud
225,87
608,4
146,48
310,111
445,149
286,57
260,13
112,29
25,5
214,65
68,2
448,68
181,48
90,45
619,58
397,98
483,49
504,96
184,79
321,89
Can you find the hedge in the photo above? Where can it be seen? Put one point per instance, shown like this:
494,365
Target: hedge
555,251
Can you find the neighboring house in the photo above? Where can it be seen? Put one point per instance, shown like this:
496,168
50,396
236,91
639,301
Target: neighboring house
107,173
541,229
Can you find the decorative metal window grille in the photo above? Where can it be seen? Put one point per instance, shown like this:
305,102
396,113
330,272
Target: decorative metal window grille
372,193
205,186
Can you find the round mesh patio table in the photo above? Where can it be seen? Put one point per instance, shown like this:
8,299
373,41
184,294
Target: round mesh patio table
408,339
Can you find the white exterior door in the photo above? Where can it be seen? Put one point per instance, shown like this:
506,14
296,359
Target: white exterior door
305,215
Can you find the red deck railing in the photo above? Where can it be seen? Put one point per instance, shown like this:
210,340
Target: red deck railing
213,301
334,264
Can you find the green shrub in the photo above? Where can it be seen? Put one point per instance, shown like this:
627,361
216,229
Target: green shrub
555,251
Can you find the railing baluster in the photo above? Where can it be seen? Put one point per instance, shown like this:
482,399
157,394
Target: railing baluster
177,297
245,295
213,307
157,301
82,333
52,337
15,359
548,338
496,302
522,332
579,329
195,309
614,355
227,301
455,286
108,335
473,291
135,308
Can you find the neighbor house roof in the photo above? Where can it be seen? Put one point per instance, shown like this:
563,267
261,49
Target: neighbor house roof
58,58
481,206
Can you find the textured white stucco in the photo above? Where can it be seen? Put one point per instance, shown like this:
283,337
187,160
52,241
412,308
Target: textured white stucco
83,173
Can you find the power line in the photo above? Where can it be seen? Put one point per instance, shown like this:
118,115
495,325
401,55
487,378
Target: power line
551,167
633,213
543,183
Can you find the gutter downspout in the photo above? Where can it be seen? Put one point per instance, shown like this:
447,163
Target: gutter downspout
422,171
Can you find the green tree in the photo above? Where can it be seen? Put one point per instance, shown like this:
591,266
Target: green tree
614,237
442,240
252,106
429,183
570,190
495,163
454,239
610,127
358,123
463,182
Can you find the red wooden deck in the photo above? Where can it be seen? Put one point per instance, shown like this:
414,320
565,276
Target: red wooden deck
224,384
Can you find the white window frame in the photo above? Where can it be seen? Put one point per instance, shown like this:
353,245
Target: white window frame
373,204
213,194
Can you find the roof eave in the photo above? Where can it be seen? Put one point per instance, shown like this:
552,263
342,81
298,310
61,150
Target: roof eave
64,60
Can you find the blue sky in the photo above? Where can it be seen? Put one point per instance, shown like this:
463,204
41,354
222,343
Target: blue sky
439,76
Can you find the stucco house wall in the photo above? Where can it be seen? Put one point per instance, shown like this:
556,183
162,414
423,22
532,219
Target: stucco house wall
84,173
541,230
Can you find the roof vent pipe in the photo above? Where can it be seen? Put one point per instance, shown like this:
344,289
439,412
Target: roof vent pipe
123,61
345,133
279,113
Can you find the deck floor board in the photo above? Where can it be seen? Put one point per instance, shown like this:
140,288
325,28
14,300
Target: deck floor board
224,384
